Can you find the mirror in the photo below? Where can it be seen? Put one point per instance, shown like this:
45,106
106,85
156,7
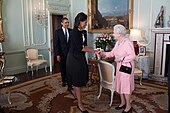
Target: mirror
1,31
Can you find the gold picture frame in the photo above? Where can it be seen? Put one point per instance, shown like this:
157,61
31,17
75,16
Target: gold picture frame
1,31
104,24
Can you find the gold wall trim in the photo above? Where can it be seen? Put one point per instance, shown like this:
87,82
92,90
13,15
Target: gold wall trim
2,37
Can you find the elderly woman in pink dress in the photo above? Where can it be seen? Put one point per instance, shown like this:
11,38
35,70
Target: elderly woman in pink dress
124,54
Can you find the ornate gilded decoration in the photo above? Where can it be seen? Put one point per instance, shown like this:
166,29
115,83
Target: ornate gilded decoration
2,37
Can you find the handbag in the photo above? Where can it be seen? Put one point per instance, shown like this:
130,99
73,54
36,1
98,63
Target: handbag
125,69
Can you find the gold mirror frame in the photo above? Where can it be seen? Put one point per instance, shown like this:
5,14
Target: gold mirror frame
1,31
91,15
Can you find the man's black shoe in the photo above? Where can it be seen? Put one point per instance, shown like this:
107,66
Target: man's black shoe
64,84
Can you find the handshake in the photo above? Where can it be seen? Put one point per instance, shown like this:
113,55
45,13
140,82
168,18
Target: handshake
99,53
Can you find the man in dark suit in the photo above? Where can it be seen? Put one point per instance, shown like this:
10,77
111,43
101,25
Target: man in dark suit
61,46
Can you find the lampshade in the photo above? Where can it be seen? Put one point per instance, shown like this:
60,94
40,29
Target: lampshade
135,35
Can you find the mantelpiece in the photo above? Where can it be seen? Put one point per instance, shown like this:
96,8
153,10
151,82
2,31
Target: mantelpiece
161,50
161,30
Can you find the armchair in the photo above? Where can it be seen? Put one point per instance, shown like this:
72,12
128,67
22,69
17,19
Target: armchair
138,71
106,71
34,59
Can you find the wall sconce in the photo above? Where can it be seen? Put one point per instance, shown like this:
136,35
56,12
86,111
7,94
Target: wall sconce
40,13
135,36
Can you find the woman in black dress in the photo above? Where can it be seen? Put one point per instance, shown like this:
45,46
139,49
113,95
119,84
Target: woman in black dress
77,69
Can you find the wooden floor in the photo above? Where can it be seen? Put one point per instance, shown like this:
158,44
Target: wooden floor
23,77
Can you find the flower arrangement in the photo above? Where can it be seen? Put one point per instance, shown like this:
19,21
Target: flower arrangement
104,40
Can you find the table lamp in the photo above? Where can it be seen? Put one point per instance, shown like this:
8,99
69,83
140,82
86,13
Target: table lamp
135,36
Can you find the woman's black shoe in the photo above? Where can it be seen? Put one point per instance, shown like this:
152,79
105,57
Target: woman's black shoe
129,111
85,111
120,107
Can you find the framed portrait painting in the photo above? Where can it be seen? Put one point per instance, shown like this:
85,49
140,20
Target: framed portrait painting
104,14
142,51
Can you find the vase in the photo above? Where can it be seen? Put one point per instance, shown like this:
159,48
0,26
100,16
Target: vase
107,48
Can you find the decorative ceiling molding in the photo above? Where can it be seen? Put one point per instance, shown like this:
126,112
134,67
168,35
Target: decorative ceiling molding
58,8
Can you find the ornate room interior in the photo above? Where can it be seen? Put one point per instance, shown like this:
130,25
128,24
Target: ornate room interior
32,23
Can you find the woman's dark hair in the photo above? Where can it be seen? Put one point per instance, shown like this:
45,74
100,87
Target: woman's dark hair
80,17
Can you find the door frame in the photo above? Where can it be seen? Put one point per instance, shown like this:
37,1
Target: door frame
50,36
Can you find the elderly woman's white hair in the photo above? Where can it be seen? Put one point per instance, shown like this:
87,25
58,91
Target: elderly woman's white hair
120,29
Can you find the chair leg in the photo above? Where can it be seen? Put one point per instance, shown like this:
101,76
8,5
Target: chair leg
140,79
32,70
37,68
27,69
100,91
111,99
9,96
46,68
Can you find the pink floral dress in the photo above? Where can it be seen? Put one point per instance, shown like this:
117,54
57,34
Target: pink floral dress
124,83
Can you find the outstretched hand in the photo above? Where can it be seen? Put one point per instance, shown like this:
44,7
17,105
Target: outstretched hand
58,58
97,52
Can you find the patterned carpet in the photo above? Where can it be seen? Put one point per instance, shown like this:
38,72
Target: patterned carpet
45,95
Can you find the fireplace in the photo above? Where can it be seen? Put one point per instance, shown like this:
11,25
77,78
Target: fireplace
166,58
161,54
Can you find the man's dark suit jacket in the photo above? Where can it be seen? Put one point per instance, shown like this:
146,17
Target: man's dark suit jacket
61,45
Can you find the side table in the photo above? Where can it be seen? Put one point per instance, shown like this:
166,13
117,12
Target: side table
144,65
94,66
5,81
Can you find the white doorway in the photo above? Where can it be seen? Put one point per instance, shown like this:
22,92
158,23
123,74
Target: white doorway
54,22
55,12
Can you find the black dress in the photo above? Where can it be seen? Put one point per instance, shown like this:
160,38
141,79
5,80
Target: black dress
77,69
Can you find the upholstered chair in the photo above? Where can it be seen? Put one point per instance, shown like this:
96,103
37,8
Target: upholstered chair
106,71
138,71
34,59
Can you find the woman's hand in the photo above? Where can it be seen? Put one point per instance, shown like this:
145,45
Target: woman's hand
100,54
118,59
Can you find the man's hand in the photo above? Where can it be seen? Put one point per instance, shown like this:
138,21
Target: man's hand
99,53
58,58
